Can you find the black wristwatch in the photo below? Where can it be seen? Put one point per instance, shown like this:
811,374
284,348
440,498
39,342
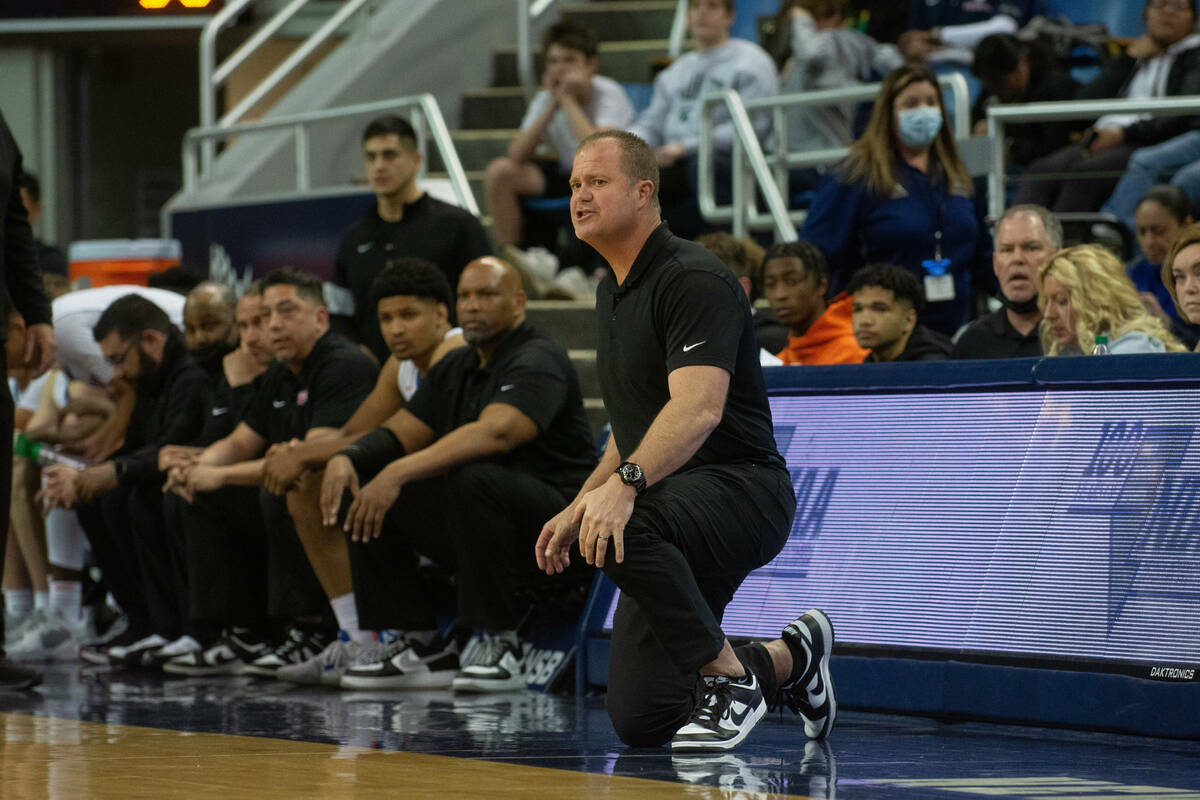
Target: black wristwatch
631,475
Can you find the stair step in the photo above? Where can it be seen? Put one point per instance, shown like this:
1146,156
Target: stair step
476,148
501,106
571,323
623,20
624,62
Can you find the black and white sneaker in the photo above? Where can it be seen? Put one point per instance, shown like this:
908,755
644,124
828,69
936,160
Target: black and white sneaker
725,715
229,656
299,646
137,654
493,664
811,694
406,664
16,678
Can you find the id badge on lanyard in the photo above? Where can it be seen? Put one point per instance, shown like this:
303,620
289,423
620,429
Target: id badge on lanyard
939,283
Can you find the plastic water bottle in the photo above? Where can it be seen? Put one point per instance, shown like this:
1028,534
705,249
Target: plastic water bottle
44,455
1101,348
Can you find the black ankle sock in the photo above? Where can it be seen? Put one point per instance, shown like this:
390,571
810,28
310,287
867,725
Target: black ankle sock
799,659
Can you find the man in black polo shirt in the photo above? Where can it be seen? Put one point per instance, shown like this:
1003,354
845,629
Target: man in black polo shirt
404,221
316,383
121,507
691,493
503,421
1026,237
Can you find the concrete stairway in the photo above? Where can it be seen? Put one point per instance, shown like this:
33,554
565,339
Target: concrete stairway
632,34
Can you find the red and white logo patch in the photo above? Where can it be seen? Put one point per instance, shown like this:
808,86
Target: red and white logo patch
302,397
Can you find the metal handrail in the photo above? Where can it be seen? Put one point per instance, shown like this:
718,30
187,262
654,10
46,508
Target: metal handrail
770,172
678,30
999,115
213,76
429,124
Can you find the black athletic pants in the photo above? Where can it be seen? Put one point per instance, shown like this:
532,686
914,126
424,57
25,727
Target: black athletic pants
223,543
293,591
1070,179
484,519
690,543
129,541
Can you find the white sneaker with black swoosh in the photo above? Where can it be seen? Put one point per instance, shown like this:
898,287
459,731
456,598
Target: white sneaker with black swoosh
725,715
811,694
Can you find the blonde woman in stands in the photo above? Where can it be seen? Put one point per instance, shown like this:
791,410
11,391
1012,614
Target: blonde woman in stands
1181,274
1084,292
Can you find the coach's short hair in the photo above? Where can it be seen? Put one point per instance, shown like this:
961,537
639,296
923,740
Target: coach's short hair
391,124
307,286
413,277
637,159
130,315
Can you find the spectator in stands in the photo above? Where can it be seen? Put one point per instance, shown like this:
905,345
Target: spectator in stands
949,30
826,55
886,302
671,123
904,196
317,381
1181,274
744,257
1026,238
1015,71
1176,161
1161,214
403,221
1084,292
574,101
413,302
119,500
1163,62
49,257
503,422
796,283
218,539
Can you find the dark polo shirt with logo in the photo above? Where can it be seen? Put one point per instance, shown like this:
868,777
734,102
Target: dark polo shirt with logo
531,372
336,377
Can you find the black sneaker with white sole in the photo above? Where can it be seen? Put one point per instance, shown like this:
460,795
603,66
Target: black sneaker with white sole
299,646
229,656
16,678
725,715
811,694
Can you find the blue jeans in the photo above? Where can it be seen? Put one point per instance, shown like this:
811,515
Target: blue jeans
1174,160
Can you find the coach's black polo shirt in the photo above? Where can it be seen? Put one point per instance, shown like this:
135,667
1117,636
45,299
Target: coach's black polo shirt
447,235
531,372
678,307
336,377
994,336
227,406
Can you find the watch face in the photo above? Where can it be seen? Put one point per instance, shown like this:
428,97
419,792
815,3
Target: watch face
631,473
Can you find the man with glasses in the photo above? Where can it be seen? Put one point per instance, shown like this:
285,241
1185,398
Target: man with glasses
119,500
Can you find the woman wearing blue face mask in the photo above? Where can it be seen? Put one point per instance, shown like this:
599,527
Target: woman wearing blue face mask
903,197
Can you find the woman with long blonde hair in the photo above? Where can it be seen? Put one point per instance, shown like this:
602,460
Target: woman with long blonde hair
903,196
1084,292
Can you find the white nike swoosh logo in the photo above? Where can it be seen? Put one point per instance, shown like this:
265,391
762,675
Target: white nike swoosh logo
688,347
507,386
216,412
279,403
362,248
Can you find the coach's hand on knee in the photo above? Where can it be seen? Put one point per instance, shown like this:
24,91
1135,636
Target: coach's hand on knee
606,510
339,475
553,548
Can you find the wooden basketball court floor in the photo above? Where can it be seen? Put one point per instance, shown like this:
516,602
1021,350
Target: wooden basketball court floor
129,735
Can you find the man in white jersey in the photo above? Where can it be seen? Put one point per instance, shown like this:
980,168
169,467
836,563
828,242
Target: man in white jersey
574,102
412,299
671,123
